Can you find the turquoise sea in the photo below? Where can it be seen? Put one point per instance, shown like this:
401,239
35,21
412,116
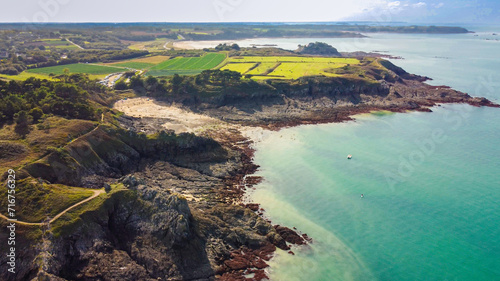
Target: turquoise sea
431,181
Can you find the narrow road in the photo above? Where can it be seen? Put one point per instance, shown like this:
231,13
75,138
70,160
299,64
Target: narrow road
96,193
74,43
166,45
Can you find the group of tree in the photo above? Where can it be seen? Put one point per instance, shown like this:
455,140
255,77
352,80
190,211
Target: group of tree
27,102
180,84
318,48
227,47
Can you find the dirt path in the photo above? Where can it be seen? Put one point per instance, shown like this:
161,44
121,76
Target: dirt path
96,193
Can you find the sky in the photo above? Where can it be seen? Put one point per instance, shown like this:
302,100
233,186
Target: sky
413,11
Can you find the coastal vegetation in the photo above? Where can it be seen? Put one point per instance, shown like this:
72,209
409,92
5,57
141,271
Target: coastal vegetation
318,48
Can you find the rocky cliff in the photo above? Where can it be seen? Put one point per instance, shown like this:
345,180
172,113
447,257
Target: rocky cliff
376,84
166,218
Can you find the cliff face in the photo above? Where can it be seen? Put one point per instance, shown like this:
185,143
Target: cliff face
168,222
109,152
374,85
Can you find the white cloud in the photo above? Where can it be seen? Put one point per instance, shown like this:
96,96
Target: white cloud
419,4
437,6
393,4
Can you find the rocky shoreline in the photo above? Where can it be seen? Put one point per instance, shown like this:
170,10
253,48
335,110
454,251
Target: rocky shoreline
181,215
246,260
292,106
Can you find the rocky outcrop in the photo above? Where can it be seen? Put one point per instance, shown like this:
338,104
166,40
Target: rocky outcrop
173,221
375,84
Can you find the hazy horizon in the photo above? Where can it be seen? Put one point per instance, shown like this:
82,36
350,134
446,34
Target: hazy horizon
241,11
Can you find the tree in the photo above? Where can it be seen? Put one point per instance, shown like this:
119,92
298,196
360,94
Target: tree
151,82
23,120
36,113
121,85
176,80
136,83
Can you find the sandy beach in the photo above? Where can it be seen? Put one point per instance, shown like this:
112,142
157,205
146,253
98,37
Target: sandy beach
192,45
183,121
179,120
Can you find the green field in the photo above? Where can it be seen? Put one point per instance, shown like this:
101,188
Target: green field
140,63
187,66
293,59
60,44
24,75
287,67
92,69
262,68
135,65
239,67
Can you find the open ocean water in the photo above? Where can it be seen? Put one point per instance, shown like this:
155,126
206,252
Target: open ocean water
431,181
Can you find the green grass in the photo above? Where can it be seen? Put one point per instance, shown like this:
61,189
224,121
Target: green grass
135,65
289,67
56,42
96,209
24,75
239,67
38,201
54,132
188,65
140,63
293,59
92,69
60,44
262,68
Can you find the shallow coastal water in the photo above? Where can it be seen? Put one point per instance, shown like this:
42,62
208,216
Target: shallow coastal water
431,181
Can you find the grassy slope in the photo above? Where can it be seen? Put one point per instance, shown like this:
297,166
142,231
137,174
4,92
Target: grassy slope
77,68
37,201
95,210
59,132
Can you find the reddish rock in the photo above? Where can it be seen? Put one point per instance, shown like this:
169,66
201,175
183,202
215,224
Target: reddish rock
291,253
253,180
307,238
260,275
289,235
253,206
